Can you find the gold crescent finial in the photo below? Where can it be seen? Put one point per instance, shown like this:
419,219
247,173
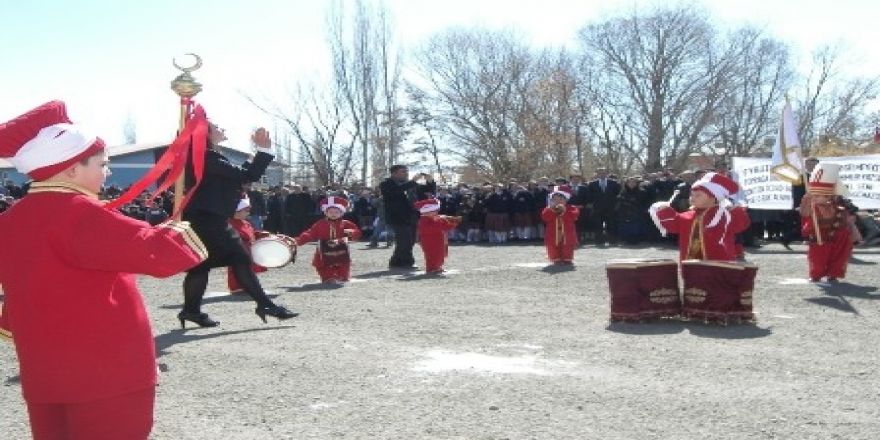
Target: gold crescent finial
195,66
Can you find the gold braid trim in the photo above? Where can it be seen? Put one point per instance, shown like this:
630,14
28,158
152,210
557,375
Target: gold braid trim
60,187
189,236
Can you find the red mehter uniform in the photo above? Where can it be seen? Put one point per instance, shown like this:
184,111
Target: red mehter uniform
698,241
248,236
829,259
329,264
67,268
827,224
433,240
560,235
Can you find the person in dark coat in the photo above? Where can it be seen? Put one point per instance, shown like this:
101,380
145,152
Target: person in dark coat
632,205
299,210
602,196
212,205
400,194
258,206
275,217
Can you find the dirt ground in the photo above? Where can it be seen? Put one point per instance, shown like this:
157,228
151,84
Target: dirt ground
502,348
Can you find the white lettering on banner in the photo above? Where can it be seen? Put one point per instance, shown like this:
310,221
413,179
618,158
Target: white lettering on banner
762,190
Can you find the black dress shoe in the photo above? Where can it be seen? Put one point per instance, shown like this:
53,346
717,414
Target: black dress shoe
201,319
276,311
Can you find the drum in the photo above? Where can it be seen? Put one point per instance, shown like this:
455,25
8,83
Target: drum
643,289
718,291
273,251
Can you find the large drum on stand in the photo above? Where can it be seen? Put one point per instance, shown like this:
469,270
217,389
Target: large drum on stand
273,251
643,289
718,291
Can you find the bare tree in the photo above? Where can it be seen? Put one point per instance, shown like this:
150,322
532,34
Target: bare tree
750,109
366,69
829,105
661,74
129,129
476,82
320,124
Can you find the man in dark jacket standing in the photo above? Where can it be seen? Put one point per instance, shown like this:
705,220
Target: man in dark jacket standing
602,195
400,194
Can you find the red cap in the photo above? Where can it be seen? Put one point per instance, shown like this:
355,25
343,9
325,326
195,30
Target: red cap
563,190
334,202
43,142
428,205
719,185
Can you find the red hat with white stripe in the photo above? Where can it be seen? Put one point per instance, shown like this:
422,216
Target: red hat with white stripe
244,203
718,185
562,190
334,202
43,142
825,180
427,205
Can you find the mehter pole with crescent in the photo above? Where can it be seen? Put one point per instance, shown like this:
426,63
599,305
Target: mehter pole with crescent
186,88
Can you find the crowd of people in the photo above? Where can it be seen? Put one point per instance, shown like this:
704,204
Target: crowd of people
612,212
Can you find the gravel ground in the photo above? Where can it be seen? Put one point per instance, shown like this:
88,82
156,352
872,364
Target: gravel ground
502,348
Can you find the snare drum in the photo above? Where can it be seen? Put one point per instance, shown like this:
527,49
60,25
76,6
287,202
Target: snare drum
718,291
274,251
643,289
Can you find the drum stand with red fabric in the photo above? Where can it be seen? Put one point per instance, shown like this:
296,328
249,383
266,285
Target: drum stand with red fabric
718,291
643,289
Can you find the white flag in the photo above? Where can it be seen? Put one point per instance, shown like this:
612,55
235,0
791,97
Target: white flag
787,164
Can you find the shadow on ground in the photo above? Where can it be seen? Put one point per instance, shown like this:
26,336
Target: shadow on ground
739,331
174,337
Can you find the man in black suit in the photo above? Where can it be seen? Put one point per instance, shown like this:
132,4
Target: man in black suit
579,198
299,210
212,205
399,194
258,206
602,195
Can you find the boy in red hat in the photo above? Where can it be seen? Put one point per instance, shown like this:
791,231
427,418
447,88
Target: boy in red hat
85,347
828,225
708,230
432,231
332,258
248,235
560,234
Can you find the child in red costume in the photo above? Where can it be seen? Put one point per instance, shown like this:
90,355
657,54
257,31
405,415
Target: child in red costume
85,347
560,234
248,236
332,259
432,234
707,231
827,224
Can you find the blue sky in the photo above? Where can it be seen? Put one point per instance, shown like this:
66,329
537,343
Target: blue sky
109,59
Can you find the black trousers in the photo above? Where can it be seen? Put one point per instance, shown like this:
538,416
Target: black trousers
225,248
404,240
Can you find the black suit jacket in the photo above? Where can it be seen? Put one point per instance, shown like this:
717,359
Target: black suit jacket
399,208
221,186
603,201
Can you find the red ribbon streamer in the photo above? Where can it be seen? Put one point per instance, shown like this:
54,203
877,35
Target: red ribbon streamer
174,160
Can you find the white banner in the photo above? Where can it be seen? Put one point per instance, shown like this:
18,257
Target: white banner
759,187
861,175
762,190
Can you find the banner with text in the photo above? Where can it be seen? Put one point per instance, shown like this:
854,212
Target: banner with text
762,190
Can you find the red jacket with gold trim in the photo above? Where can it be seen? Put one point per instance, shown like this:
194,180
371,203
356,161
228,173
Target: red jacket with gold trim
68,273
718,241
326,229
